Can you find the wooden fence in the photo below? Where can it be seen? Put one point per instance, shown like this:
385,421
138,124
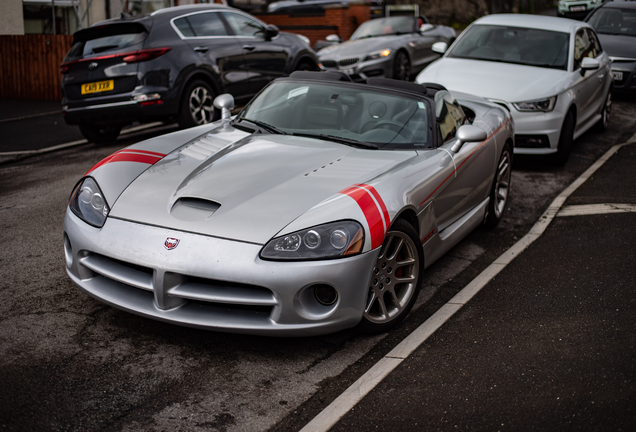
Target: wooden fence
30,65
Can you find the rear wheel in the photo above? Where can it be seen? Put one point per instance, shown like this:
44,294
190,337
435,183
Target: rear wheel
395,278
565,140
197,105
402,67
500,188
100,134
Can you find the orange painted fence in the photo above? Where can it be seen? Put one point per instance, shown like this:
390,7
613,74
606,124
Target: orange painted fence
30,66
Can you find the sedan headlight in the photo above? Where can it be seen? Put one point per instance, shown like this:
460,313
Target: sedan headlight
332,240
88,203
544,105
378,54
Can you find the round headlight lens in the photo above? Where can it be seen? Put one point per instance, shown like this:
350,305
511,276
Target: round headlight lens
312,239
339,238
288,243
88,203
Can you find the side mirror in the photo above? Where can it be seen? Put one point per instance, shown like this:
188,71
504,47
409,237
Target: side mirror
426,27
439,47
225,103
468,133
589,63
271,31
333,38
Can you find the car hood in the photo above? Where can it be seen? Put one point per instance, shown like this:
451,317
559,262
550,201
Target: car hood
618,46
494,80
250,189
358,47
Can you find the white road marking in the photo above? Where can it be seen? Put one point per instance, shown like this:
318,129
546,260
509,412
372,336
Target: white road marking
327,418
78,142
596,209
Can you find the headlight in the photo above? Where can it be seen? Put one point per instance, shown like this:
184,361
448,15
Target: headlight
332,240
378,54
544,105
88,203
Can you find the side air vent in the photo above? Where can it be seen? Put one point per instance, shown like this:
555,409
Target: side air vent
193,209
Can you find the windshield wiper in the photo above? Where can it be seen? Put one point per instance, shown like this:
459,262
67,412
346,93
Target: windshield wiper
340,140
267,127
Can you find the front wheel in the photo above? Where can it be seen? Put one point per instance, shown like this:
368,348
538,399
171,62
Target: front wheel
500,188
395,279
402,67
197,105
565,141
602,124
100,134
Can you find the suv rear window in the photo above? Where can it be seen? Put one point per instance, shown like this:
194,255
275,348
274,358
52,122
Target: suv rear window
96,40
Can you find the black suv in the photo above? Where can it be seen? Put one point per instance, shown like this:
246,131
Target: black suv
170,65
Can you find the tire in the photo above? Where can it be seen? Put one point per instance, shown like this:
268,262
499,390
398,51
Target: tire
100,134
197,105
565,141
602,124
500,188
389,298
402,67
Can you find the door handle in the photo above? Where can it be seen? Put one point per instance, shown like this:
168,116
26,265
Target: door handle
249,47
601,76
201,49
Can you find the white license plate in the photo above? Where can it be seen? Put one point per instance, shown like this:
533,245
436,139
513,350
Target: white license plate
349,71
618,76
577,8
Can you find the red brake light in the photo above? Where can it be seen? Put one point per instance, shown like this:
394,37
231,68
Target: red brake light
64,68
143,55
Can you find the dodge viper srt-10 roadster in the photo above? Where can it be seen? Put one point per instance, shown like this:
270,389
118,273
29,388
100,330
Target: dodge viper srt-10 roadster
316,208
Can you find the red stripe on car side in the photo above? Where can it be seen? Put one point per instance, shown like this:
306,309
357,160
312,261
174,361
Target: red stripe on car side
465,160
378,198
371,213
140,156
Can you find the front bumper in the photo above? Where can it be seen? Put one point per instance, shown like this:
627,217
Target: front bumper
360,71
625,68
211,283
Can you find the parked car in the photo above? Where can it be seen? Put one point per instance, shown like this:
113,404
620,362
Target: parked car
615,24
376,7
394,47
317,208
170,64
550,73
577,8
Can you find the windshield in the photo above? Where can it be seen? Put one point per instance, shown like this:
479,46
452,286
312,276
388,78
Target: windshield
95,40
516,45
614,21
357,115
384,27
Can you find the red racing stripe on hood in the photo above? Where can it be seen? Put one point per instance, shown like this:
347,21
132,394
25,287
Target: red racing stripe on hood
130,155
371,213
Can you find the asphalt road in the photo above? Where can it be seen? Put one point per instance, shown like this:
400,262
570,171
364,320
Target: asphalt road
70,363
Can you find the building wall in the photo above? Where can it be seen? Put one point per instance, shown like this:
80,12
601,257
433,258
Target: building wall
11,21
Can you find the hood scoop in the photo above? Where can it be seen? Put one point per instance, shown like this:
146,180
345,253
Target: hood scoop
192,209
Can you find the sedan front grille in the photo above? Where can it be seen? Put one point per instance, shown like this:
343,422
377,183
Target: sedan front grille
346,62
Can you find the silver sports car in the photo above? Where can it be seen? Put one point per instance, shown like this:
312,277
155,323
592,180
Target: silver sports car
394,47
316,208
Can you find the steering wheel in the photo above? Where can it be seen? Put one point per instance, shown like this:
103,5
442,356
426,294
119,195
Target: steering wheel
395,126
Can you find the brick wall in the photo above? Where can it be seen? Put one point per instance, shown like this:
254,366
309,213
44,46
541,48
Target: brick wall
340,20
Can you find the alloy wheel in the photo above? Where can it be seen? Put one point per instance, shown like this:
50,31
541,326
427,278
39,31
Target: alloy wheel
201,105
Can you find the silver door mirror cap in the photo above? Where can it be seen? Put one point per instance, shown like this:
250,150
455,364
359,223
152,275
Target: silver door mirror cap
439,47
333,38
468,133
225,103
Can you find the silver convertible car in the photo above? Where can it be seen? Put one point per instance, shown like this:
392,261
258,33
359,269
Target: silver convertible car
317,208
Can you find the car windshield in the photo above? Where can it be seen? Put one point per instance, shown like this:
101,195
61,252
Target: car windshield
384,27
356,115
102,39
614,21
518,45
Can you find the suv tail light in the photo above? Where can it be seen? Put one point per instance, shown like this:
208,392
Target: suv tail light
128,57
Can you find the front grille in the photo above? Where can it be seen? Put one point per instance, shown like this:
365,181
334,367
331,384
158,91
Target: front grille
329,63
177,289
348,61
